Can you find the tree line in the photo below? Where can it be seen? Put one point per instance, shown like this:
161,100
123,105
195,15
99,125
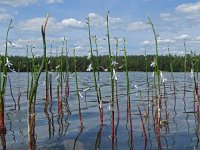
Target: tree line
135,63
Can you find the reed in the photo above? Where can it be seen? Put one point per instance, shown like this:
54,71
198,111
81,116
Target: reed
98,77
77,90
27,69
67,80
50,74
46,80
33,89
112,79
129,113
116,83
194,74
185,69
61,66
67,72
11,93
33,92
19,87
174,84
143,125
94,73
3,84
158,98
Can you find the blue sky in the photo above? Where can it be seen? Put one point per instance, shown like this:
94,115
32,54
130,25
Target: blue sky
174,21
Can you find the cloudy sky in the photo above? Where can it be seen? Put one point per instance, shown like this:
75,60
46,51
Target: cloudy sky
174,21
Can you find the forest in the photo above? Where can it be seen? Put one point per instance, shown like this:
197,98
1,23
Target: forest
135,63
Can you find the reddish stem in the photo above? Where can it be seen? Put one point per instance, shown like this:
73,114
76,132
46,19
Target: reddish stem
67,88
143,126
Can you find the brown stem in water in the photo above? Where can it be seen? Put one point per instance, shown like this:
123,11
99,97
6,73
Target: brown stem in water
12,93
143,126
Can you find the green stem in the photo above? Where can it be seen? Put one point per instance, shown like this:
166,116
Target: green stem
77,91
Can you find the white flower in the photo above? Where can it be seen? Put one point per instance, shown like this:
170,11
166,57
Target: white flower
80,94
89,67
114,63
136,86
8,63
153,63
109,107
13,70
57,66
86,89
101,104
103,68
192,73
161,74
121,66
114,75
162,77
89,55
164,80
152,74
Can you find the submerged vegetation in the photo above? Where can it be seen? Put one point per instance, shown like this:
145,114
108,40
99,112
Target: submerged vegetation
152,108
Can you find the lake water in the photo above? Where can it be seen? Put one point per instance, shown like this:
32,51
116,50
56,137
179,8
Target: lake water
64,132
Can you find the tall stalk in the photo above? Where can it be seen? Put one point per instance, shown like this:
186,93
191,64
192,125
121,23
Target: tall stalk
147,81
77,91
174,86
67,72
185,69
33,93
157,61
112,79
128,94
47,80
94,72
158,99
61,67
27,69
116,83
3,85
98,77
19,85
50,74
33,89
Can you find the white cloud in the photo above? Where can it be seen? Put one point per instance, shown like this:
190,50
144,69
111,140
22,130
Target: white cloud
165,41
164,15
54,1
17,3
115,20
160,41
73,23
96,20
198,38
168,17
35,24
182,37
193,16
189,8
4,15
137,26
145,43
